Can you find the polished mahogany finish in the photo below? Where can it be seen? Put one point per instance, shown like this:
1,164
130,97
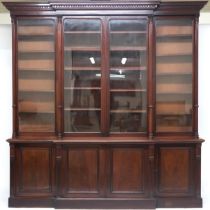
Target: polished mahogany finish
105,104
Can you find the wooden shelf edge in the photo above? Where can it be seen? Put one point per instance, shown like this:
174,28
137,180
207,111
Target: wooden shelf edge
128,90
103,140
82,109
82,88
130,32
128,111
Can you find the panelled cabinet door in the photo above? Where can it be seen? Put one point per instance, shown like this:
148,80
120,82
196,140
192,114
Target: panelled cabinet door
174,74
34,171
36,74
95,171
176,171
129,172
81,171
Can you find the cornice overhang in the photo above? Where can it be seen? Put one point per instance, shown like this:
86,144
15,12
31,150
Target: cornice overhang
54,5
178,8
156,6
104,5
24,6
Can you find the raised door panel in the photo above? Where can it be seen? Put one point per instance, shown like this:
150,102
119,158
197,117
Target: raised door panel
128,172
34,171
175,171
81,172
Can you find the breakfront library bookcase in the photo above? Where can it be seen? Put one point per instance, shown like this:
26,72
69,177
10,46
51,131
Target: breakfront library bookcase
105,104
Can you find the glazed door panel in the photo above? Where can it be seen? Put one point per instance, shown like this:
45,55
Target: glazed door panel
174,75
82,75
128,75
36,74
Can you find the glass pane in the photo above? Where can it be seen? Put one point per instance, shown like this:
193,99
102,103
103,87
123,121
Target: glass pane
82,75
174,75
36,75
128,76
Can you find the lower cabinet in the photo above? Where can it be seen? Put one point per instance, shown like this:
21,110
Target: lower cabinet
81,174
111,171
177,179
32,175
104,175
129,172
175,174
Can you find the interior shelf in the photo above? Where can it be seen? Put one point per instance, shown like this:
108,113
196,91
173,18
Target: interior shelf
128,32
34,64
173,48
36,127
175,36
128,48
174,68
173,114
128,111
82,68
82,109
125,68
36,46
174,88
34,69
82,48
128,90
82,88
35,30
36,107
170,108
36,85
174,30
161,128
82,32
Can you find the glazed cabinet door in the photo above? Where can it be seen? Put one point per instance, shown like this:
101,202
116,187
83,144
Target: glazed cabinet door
174,75
105,75
36,74
128,75
82,75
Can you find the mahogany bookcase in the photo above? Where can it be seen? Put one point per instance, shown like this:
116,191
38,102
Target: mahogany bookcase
105,104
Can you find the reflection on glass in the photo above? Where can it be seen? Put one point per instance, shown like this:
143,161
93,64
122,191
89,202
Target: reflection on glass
82,120
82,78
128,79
128,76
134,58
133,100
82,75
36,71
81,60
128,122
82,98
174,75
